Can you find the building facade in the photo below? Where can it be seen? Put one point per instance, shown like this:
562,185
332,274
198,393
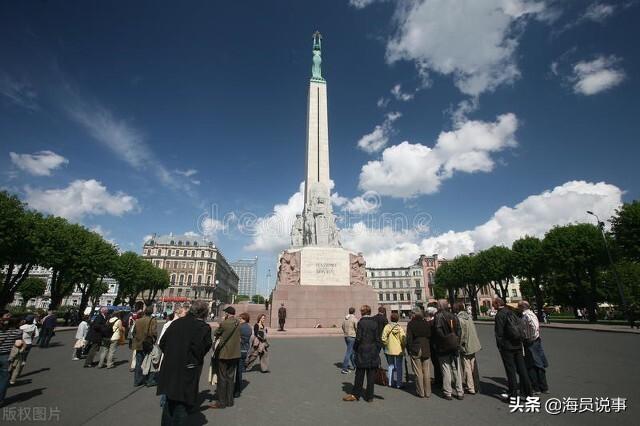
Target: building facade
197,269
247,270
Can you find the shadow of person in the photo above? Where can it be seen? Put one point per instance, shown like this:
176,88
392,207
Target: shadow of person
347,387
22,397
22,382
491,389
30,373
117,363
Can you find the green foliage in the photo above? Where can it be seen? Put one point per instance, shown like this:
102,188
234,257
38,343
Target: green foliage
257,298
499,266
242,298
31,288
530,264
629,275
625,227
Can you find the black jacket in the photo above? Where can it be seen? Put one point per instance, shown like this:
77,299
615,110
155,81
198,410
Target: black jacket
447,337
500,323
368,344
418,336
381,320
184,345
97,329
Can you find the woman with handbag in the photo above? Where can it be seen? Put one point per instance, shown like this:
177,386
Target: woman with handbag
260,346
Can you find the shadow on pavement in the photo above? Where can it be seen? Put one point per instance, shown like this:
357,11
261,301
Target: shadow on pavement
24,396
494,388
30,373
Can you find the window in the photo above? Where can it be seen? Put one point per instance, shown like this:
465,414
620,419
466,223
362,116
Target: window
173,278
406,273
181,279
202,254
387,296
419,294
393,273
199,279
208,279
417,283
179,243
187,293
402,296
179,292
170,292
189,277
394,284
380,297
514,292
395,296
373,274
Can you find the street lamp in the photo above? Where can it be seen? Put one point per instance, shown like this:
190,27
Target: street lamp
613,268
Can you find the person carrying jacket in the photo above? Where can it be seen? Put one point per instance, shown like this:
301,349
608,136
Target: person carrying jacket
394,340
447,328
469,346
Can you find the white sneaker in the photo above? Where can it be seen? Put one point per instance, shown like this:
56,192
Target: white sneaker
504,395
75,359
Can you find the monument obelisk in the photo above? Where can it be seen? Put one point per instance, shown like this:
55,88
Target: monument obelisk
318,279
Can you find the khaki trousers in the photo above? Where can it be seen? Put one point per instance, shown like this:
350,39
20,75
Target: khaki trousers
422,369
468,365
450,365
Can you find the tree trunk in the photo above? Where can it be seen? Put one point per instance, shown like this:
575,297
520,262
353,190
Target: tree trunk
472,291
12,282
84,298
537,292
591,298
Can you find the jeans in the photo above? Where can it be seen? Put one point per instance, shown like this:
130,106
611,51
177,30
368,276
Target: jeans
4,375
239,371
515,369
174,413
138,377
348,355
394,366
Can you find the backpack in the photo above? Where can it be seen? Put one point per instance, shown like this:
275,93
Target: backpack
107,330
514,328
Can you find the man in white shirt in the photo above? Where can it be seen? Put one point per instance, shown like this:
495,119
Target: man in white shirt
534,356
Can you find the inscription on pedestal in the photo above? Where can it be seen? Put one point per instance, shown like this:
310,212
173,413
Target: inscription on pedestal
324,266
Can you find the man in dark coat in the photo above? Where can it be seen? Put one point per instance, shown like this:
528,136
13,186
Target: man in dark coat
447,333
94,336
227,354
367,359
184,345
381,319
49,324
419,349
282,316
511,350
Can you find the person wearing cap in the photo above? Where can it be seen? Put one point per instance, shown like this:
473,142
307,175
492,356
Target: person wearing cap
226,355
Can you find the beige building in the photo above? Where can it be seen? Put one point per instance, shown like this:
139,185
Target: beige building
197,269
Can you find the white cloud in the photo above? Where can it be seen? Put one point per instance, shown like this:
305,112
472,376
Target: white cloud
535,215
397,93
379,137
18,92
147,238
40,163
192,234
367,203
210,227
598,75
79,199
599,12
360,4
473,41
407,170
382,102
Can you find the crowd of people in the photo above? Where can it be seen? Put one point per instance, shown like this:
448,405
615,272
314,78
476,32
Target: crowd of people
442,340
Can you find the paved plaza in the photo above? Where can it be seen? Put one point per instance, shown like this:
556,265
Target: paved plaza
305,387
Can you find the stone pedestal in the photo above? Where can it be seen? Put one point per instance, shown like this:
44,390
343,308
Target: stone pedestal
310,305
318,285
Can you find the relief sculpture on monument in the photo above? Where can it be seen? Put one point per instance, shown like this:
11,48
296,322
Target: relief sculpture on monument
358,273
289,268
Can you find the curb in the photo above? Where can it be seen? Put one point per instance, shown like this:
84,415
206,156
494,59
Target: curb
572,327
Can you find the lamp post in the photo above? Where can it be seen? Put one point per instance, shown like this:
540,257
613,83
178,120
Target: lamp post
623,301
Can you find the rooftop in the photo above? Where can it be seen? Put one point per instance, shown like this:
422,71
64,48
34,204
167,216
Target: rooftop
179,240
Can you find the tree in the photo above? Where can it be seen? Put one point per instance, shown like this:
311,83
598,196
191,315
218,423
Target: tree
531,267
577,252
257,298
242,298
31,288
155,280
625,227
498,265
129,272
629,275
463,272
96,290
18,244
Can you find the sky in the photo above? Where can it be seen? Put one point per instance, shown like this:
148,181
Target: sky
453,125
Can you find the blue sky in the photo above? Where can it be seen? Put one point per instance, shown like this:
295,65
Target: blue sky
453,125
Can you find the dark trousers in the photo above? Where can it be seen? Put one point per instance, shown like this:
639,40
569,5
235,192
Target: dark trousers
437,370
226,381
174,413
239,371
93,350
516,369
537,376
138,377
359,381
281,323
45,337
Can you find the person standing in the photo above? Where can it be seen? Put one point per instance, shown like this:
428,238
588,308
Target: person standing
184,346
534,356
170,318
418,347
9,335
367,355
469,346
509,341
94,336
114,326
394,340
226,357
48,328
260,347
381,319
144,336
448,332
245,344
282,316
429,315
349,326
81,336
